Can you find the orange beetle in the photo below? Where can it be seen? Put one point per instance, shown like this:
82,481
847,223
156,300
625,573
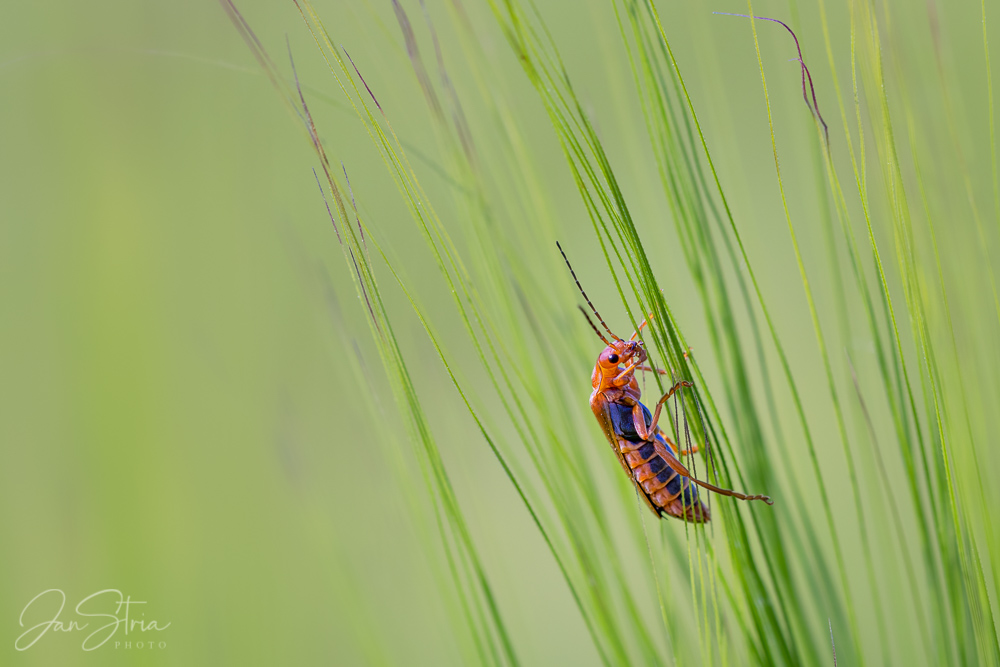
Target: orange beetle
644,450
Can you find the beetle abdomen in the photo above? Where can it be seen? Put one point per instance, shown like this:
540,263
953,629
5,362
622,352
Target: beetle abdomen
667,491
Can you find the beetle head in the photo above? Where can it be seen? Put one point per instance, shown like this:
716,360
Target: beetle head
618,353
621,352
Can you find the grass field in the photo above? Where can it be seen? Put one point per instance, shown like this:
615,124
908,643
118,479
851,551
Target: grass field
292,357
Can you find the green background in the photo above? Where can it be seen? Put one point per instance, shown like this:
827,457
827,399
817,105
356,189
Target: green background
191,407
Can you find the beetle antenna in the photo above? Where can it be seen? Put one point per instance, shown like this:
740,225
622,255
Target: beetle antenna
580,287
591,323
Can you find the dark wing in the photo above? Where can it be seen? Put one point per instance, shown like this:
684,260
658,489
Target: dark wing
621,425
606,414
669,493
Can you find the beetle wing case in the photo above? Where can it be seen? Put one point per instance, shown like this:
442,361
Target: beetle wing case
667,492
624,425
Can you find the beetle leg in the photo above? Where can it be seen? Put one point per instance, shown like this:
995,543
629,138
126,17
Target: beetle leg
639,419
679,468
683,452
625,376
687,452
644,323
664,399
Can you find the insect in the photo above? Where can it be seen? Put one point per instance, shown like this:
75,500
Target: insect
648,456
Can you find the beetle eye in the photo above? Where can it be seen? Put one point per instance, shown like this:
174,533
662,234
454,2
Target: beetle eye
612,358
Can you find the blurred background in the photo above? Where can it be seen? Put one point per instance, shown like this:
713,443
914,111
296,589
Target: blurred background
192,407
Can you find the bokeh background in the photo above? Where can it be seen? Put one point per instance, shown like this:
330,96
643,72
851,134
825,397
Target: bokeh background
192,409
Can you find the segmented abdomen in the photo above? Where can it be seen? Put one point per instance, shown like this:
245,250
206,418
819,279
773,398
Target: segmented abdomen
667,491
